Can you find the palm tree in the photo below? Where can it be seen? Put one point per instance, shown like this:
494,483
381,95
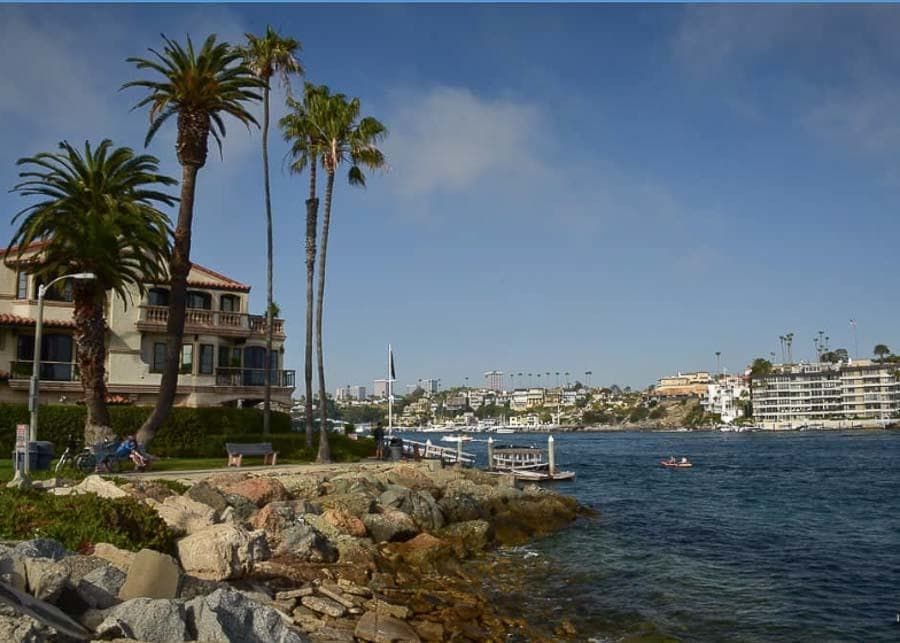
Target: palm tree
266,56
349,139
299,129
98,213
881,350
200,87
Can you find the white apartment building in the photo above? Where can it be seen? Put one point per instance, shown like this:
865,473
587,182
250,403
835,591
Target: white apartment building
222,358
347,393
430,386
493,380
860,393
726,397
380,388
518,401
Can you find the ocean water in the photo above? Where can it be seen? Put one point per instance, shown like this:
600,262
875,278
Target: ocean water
771,536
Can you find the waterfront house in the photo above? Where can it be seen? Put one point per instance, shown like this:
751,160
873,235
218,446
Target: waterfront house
222,358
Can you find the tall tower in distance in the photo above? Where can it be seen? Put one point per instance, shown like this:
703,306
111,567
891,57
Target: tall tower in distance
493,380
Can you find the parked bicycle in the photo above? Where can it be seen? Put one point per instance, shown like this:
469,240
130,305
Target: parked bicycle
75,458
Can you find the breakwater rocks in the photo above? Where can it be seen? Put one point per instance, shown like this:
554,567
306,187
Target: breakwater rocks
352,553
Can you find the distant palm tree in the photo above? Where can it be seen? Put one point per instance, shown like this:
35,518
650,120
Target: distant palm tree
307,147
200,87
267,56
99,213
882,351
338,136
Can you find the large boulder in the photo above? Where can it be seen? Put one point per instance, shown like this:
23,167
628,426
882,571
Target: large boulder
358,503
409,476
100,588
183,513
390,526
208,495
344,523
259,491
222,552
12,569
420,505
277,516
305,542
146,619
92,484
424,552
151,575
469,537
381,628
462,507
302,485
228,615
120,558
46,577
41,548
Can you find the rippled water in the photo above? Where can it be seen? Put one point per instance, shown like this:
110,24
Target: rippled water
771,536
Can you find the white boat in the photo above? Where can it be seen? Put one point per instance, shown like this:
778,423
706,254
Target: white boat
456,438
505,429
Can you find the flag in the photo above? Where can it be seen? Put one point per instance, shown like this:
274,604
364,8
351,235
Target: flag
853,323
393,375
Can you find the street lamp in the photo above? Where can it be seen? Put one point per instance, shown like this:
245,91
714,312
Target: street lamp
24,478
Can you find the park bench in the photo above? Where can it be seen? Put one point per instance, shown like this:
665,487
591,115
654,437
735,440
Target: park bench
237,451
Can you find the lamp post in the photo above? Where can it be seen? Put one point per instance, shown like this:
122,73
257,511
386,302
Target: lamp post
23,478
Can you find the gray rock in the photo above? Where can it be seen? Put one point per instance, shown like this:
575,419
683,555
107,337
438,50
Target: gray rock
461,508
100,588
22,629
12,569
80,566
192,586
420,505
41,611
146,619
151,575
41,548
222,552
209,496
381,628
46,578
228,615
241,507
390,526
305,542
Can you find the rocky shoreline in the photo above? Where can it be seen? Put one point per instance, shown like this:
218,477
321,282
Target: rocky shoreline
362,553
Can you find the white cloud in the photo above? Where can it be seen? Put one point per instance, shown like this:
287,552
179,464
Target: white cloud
448,138
866,119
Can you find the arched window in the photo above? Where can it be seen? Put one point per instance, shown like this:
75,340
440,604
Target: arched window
230,304
197,299
158,297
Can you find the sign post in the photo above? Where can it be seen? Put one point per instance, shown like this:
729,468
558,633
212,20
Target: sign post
21,447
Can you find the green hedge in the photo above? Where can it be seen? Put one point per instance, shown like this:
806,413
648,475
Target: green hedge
186,432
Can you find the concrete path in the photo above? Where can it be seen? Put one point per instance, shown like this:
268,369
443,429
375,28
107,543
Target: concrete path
278,469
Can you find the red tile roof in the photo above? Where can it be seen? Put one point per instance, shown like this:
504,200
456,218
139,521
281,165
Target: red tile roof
14,320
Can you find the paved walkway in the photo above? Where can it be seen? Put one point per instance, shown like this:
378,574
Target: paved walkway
278,469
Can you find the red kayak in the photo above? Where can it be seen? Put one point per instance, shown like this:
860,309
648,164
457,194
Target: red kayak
676,465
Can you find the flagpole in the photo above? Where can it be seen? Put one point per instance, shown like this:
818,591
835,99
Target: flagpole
390,395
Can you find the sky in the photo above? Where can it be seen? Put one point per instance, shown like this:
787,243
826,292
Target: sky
617,189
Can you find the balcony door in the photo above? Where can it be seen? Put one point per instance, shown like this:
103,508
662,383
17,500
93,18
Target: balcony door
254,366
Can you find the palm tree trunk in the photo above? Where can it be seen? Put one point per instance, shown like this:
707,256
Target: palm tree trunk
267,399
90,338
324,454
312,215
179,266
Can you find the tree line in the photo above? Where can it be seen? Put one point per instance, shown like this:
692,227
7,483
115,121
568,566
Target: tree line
98,209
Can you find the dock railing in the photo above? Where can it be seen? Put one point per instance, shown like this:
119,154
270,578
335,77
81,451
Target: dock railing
426,450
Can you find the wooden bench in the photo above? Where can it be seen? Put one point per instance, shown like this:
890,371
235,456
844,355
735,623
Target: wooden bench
237,451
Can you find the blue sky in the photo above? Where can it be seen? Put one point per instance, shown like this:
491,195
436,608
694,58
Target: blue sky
624,190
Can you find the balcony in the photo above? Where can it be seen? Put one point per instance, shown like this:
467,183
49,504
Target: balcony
50,371
211,322
253,377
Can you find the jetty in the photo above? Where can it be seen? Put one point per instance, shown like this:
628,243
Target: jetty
526,463
428,451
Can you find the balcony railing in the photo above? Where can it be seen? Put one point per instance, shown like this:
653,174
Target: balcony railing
216,320
50,371
253,377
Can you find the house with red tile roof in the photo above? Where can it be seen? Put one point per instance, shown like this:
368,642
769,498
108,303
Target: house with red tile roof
223,354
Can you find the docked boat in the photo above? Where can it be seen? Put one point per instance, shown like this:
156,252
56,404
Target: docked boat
527,463
505,429
456,438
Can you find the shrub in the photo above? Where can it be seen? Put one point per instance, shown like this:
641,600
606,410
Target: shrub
79,522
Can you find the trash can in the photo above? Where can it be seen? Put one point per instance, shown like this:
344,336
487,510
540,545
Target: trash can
396,446
40,455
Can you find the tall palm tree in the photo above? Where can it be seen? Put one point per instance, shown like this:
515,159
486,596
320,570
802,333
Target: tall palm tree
347,139
98,213
306,149
267,56
200,87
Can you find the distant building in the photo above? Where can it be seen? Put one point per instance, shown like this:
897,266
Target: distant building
380,388
862,392
493,380
683,385
726,397
518,401
430,386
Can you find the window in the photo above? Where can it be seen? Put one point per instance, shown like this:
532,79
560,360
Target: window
229,357
56,356
159,357
230,304
60,291
196,299
22,285
255,367
206,359
158,297
187,358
